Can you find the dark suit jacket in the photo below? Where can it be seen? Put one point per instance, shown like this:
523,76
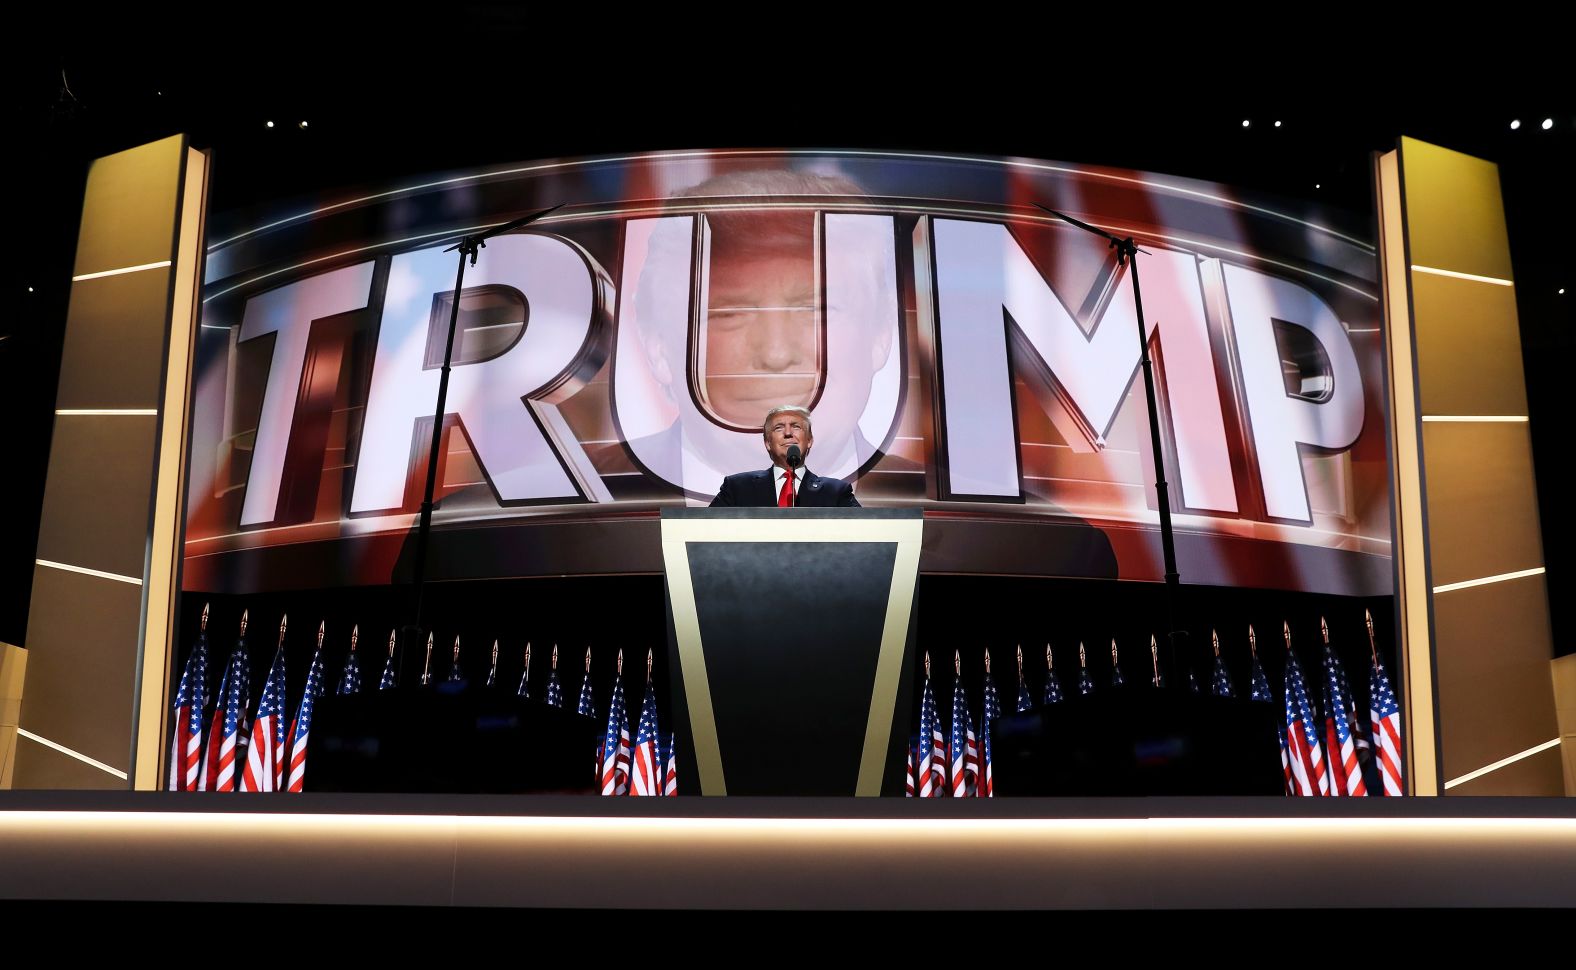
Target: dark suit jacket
756,490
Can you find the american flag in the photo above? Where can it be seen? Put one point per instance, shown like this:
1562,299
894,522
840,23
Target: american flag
1359,728
1192,681
190,700
1259,690
929,731
1385,719
1220,680
386,682
1116,668
302,728
645,771
961,742
1304,753
265,759
614,771
350,677
1260,683
1053,683
1346,775
1085,682
586,704
555,690
670,774
1025,699
456,672
991,711
227,731
908,780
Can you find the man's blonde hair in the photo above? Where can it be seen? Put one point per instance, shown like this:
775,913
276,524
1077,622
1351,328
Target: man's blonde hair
786,409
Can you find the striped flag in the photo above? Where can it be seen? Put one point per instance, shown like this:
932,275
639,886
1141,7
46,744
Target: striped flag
670,774
1305,756
265,758
350,677
190,700
1259,690
1346,776
301,729
614,770
555,690
1385,720
908,777
961,743
929,734
227,731
991,710
586,704
645,771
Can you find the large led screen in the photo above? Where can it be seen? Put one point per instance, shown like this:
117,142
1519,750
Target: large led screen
960,350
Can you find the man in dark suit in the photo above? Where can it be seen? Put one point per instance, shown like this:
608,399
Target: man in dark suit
785,427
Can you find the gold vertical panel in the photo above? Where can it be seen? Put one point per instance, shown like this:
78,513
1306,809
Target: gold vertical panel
95,512
677,533
114,348
1478,519
13,667
1468,348
1454,217
128,207
1492,644
1413,620
1563,670
1482,501
158,625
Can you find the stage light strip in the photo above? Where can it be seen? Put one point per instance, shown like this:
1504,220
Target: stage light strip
1478,418
24,732
1500,764
161,264
80,412
1502,577
134,580
1461,276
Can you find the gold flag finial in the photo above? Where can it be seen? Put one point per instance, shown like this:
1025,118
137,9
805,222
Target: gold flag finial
1154,659
244,615
1368,620
1286,634
588,659
1324,629
426,666
495,653
620,667
1083,659
555,655
391,643
648,664
987,660
1114,660
1020,661
957,663
204,618
527,656
456,657
927,664
1214,638
1253,641
322,627
355,634
1050,662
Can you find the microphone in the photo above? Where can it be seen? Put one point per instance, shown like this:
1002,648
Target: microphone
795,456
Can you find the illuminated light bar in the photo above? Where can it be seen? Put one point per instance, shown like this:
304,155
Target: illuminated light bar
117,577
78,412
1502,577
24,732
1481,418
1501,763
1462,276
117,272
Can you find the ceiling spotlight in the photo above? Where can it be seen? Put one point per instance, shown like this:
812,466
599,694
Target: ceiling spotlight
1548,123
30,289
1515,124
1244,122
1562,290
269,123
1316,185
303,124
1277,124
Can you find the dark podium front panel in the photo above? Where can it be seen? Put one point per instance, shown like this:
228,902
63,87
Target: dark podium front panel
790,634
441,740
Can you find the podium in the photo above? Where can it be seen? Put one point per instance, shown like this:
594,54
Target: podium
790,642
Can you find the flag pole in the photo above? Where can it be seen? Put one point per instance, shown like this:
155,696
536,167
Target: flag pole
1373,649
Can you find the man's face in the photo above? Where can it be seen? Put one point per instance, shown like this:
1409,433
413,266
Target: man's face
787,429
762,345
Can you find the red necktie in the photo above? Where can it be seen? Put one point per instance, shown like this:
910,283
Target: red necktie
785,499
